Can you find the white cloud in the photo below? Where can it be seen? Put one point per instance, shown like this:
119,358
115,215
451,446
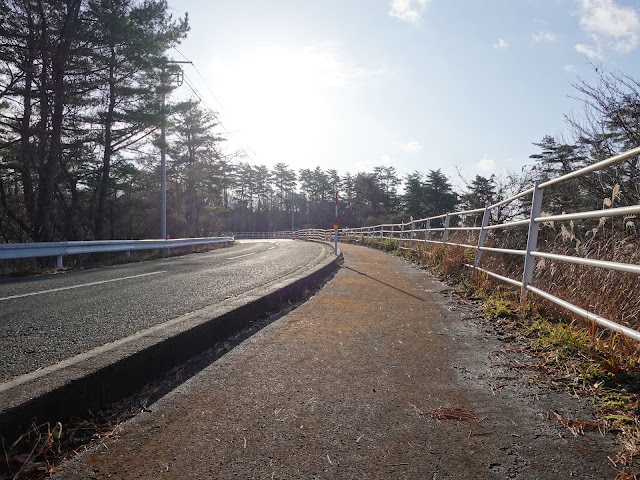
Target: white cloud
590,51
412,146
485,165
540,37
408,10
569,68
501,44
609,26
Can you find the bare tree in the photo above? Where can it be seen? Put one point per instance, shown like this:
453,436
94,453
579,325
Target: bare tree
609,125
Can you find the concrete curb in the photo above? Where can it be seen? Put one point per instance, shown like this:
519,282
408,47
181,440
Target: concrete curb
102,376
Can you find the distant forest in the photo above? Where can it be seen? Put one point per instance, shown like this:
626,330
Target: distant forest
82,84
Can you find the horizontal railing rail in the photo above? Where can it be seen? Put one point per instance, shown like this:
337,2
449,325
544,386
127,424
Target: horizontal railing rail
9,251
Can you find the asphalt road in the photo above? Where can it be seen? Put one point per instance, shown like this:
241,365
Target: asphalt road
50,318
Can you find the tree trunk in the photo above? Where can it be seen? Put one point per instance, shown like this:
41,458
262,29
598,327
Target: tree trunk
103,188
49,168
26,154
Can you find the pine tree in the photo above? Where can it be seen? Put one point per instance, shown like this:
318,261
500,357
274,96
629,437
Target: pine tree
556,160
129,40
194,167
415,196
440,197
481,193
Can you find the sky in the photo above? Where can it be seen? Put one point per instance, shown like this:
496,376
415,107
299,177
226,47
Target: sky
465,86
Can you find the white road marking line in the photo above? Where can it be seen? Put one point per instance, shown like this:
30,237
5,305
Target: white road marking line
240,256
31,294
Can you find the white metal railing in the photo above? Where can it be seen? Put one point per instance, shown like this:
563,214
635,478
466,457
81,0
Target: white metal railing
262,235
305,234
406,235
59,249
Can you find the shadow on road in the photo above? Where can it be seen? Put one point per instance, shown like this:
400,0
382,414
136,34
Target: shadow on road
386,284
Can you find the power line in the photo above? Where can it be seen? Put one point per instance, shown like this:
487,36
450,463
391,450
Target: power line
195,91
201,78
215,115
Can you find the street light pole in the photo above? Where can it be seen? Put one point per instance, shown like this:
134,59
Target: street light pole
163,149
163,168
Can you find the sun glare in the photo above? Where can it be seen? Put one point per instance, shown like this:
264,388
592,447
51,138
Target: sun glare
279,100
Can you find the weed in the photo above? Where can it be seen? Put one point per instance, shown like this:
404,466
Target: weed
618,401
497,307
619,420
390,245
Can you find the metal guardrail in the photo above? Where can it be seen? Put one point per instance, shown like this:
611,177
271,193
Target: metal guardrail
305,234
264,235
59,249
408,233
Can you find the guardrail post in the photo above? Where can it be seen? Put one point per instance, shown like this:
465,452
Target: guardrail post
532,241
59,261
401,242
445,234
482,236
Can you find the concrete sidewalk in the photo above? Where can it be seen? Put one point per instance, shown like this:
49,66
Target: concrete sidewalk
380,375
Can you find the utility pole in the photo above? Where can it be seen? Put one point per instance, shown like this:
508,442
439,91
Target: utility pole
163,146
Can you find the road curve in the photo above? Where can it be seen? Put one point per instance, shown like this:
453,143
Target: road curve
50,318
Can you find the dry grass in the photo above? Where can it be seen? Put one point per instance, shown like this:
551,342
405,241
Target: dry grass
37,453
578,427
452,413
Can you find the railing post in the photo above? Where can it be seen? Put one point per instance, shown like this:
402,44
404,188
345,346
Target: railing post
59,261
401,241
445,234
532,241
412,234
427,226
482,236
